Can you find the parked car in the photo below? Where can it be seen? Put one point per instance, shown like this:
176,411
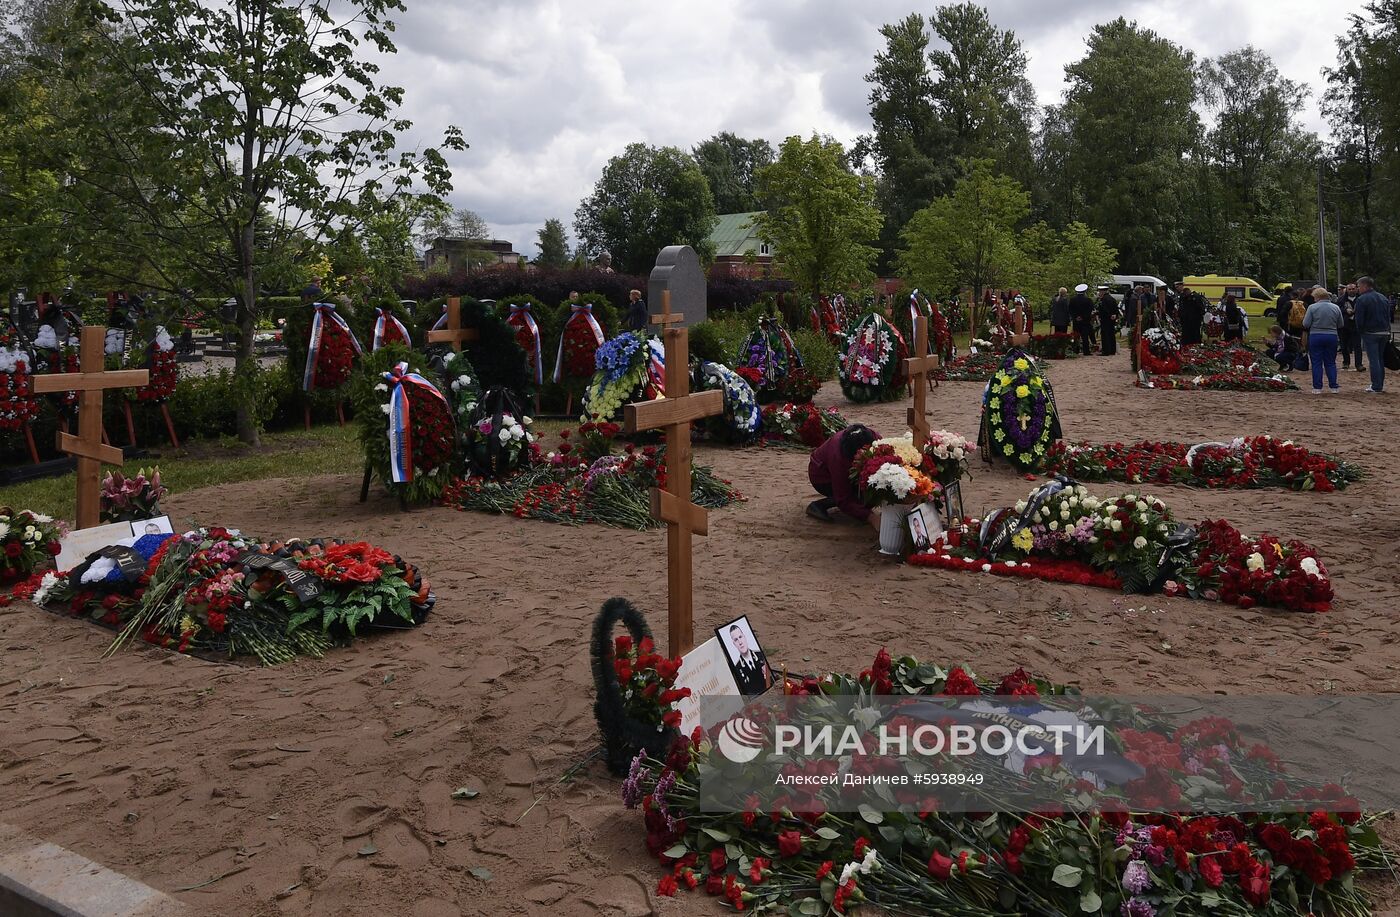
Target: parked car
1249,294
1123,284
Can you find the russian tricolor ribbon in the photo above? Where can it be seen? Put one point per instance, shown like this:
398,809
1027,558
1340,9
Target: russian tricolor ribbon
580,311
521,315
382,318
400,428
324,312
656,367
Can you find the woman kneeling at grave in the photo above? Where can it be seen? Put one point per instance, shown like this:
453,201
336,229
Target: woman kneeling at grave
830,473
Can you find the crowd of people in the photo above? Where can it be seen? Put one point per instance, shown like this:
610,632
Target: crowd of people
1315,326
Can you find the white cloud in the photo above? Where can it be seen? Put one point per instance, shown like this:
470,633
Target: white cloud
546,91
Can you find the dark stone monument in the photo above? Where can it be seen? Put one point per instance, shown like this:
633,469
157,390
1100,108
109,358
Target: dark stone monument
678,271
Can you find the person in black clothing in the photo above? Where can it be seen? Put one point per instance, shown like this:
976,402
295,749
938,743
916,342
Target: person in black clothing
1190,312
1132,301
1081,310
312,292
1234,319
1351,339
1108,323
636,311
1059,311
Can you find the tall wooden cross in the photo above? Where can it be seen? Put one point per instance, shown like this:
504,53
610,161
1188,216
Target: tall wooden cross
87,446
453,333
917,369
674,413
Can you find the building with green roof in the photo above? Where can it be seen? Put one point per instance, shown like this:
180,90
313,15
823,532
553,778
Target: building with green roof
739,252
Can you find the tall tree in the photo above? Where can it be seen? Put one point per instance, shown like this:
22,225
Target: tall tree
1361,105
968,239
1083,257
647,198
821,218
730,163
1127,124
981,89
1263,160
909,143
457,222
553,244
275,121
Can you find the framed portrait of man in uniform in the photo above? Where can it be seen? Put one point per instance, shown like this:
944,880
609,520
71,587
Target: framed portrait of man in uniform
752,673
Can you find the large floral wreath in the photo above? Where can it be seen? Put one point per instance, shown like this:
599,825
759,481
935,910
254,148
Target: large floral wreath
872,366
742,420
406,424
769,356
628,368
159,358
331,351
1159,352
17,404
1019,420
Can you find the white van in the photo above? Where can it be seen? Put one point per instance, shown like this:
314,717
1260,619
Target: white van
1123,284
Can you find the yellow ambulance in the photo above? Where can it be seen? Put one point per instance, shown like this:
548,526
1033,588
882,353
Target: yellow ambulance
1252,298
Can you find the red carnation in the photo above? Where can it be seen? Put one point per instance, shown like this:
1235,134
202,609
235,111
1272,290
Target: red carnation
1211,873
667,886
824,870
14,549
940,866
789,843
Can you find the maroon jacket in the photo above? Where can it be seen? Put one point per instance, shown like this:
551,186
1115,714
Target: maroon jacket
829,471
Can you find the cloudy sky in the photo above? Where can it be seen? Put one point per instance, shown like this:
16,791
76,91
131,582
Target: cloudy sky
547,90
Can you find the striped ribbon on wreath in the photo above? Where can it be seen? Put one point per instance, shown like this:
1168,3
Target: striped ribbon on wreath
400,423
325,312
520,314
580,311
382,319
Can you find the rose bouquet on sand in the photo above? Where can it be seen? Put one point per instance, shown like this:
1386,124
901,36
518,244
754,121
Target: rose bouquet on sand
1254,461
798,849
585,481
28,542
888,471
1063,533
1254,571
1234,381
218,591
130,499
801,424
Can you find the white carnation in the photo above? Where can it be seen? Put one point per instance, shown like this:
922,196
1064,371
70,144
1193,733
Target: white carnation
1309,566
1255,562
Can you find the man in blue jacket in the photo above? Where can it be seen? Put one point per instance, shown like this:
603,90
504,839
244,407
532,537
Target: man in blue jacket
1373,324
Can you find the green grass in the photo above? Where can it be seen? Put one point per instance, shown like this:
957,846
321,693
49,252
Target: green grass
206,463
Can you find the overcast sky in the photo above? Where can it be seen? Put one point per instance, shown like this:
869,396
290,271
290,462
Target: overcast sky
547,90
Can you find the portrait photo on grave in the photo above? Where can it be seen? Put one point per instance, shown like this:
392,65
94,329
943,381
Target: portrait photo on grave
925,525
160,525
747,661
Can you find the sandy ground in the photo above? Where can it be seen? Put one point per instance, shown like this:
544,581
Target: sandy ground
324,787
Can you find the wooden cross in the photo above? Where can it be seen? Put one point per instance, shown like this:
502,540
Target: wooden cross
666,319
674,412
453,333
1020,337
87,446
917,369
